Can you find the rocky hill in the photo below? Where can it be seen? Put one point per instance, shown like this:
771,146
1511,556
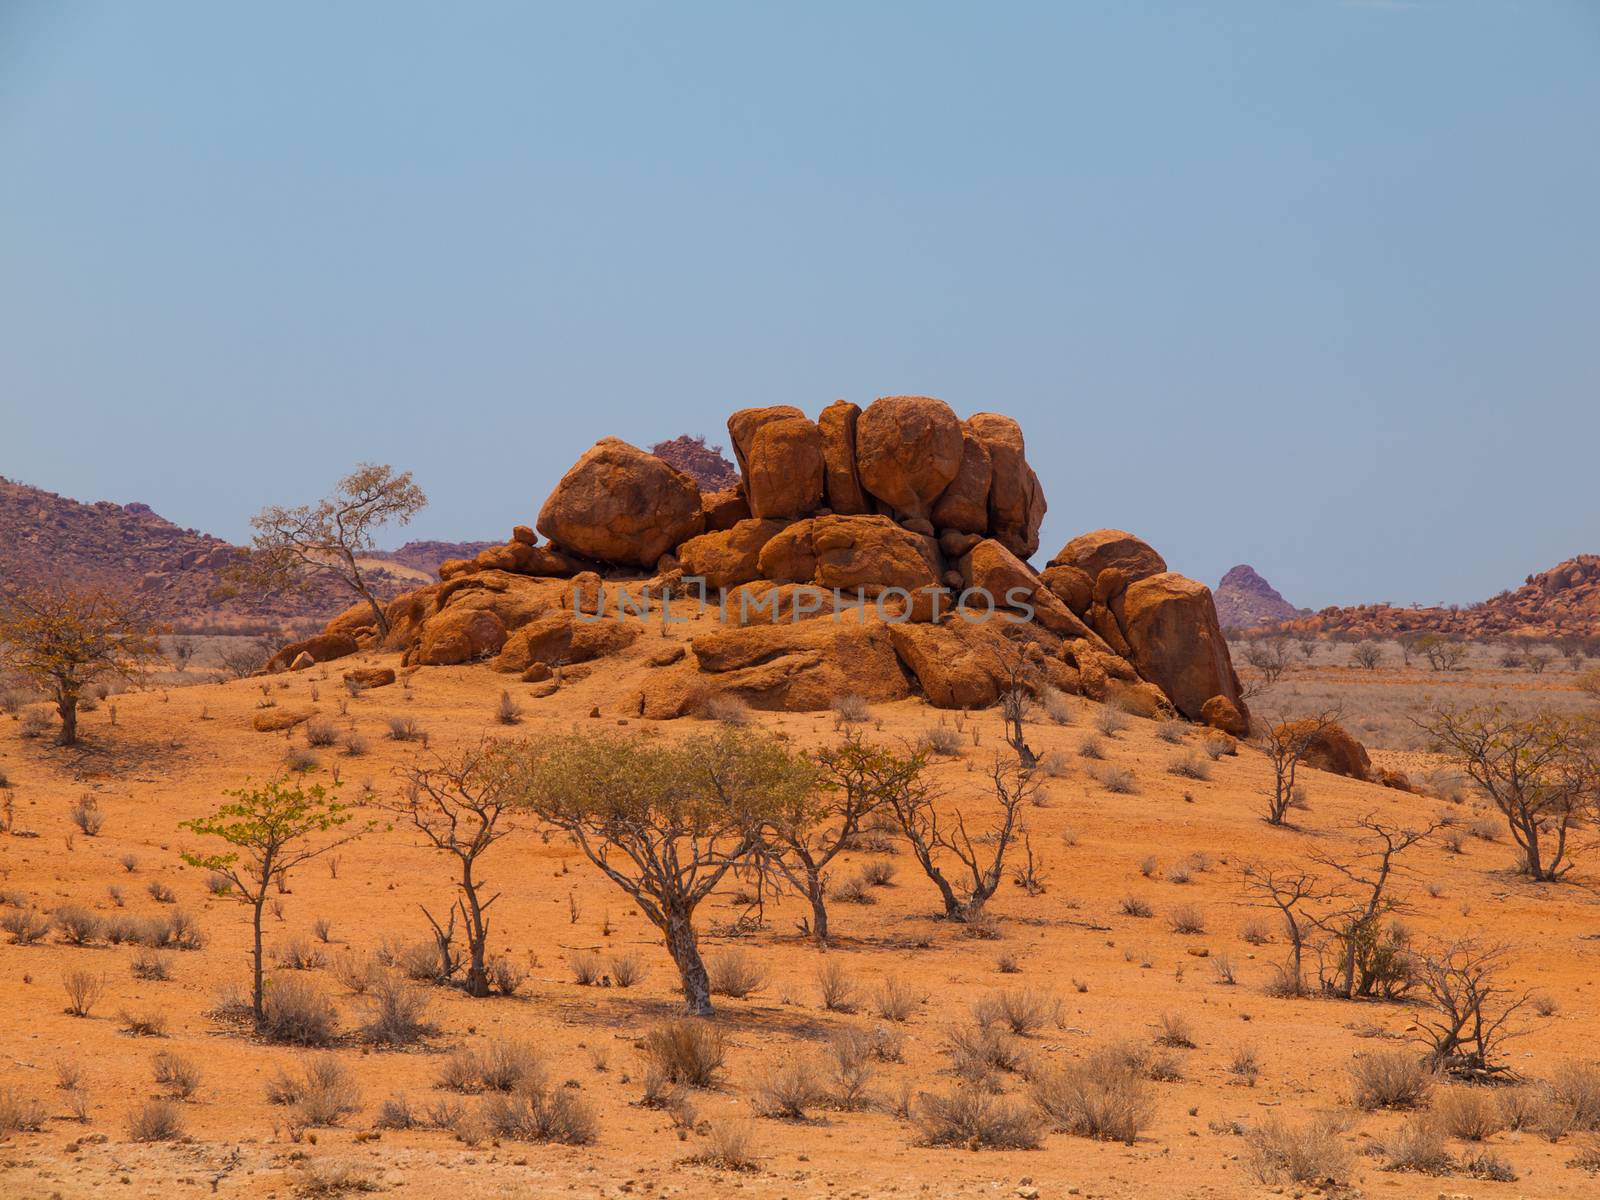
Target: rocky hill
1246,600
706,465
50,539
879,552
1561,602
426,556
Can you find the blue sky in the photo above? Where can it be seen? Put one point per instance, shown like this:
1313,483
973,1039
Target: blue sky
1307,284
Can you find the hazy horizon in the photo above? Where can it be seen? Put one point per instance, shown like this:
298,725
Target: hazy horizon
1309,287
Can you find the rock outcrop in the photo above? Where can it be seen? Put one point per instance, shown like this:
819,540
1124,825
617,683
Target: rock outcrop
881,552
1246,601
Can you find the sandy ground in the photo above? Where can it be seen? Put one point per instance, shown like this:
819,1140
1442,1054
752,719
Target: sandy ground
171,753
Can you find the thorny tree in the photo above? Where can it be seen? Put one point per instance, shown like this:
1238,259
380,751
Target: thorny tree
1371,957
1287,891
268,828
1286,744
63,640
915,804
460,805
1542,772
1015,666
295,545
816,825
665,823
1471,1008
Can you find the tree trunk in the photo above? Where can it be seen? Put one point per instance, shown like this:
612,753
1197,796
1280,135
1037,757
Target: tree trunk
819,910
67,706
685,951
257,994
377,611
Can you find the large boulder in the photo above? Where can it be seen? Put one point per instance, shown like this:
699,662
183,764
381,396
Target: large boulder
1221,713
872,553
730,557
843,493
322,647
522,558
1093,552
1071,585
788,557
1011,584
959,664
908,449
563,638
1331,748
1016,499
724,509
964,505
801,667
742,427
1171,626
620,505
784,473
458,635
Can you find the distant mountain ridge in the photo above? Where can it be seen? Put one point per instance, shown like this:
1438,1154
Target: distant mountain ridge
49,539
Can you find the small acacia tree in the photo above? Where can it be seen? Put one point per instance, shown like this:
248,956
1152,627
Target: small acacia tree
934,838
1542,772
1286,744
1367,655
326,540
1288,891
1469,1007
268,828
459,805
814,826
665,823
63,640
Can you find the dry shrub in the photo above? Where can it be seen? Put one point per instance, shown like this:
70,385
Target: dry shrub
1103,1097
355,972
1313,1153
1189,766
787,1091
1091,747
1255,932
396,1113
1173,1030
978,1054
84,989
404,729
854,891
1471,1114
729,1145
730,710
687,1052
149,1023
1110,719
299,955
851,710
77,925
178,1075
849,1063
396,1013
1418,1145
587,968
627,969
1056,706
976,1120
536,1112
25,925
155,1121
1172,731
20,1114
735,974
322,1177
896,1000
877,873
940,739
1389,1079
1587,1158
1575,1085
1133,906
301,758
323,1094
837,989
497,1065
1021,1010
1246,1064
321,732
86,815
1186,918
298,1013
1119,781
505,977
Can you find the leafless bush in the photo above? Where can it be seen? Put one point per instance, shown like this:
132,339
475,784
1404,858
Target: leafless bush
324,1094
1172,1029
1023,1011
77,925
1186,918
298,955
505,977
396,1113
1057,707
1133,906
877,873
627,969
978,1054
1418,1145
787,1091
84,990
20,1114
155,1121
854,891
729,710
1172,731
297,1012
404,729
729,1145
507,711
1471,1114
734,973
1389,1079
1313,1153
1091,747
396,1012
1110,720
321,732
895,999
1575,1085
178,1075
851,710
541,1114
587,967
837,989
86,815
686,1052
1102,1097
161,893
1189,766
1119,781
940,739
25,925
150,1022
354,744
1246,1064
973,1118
